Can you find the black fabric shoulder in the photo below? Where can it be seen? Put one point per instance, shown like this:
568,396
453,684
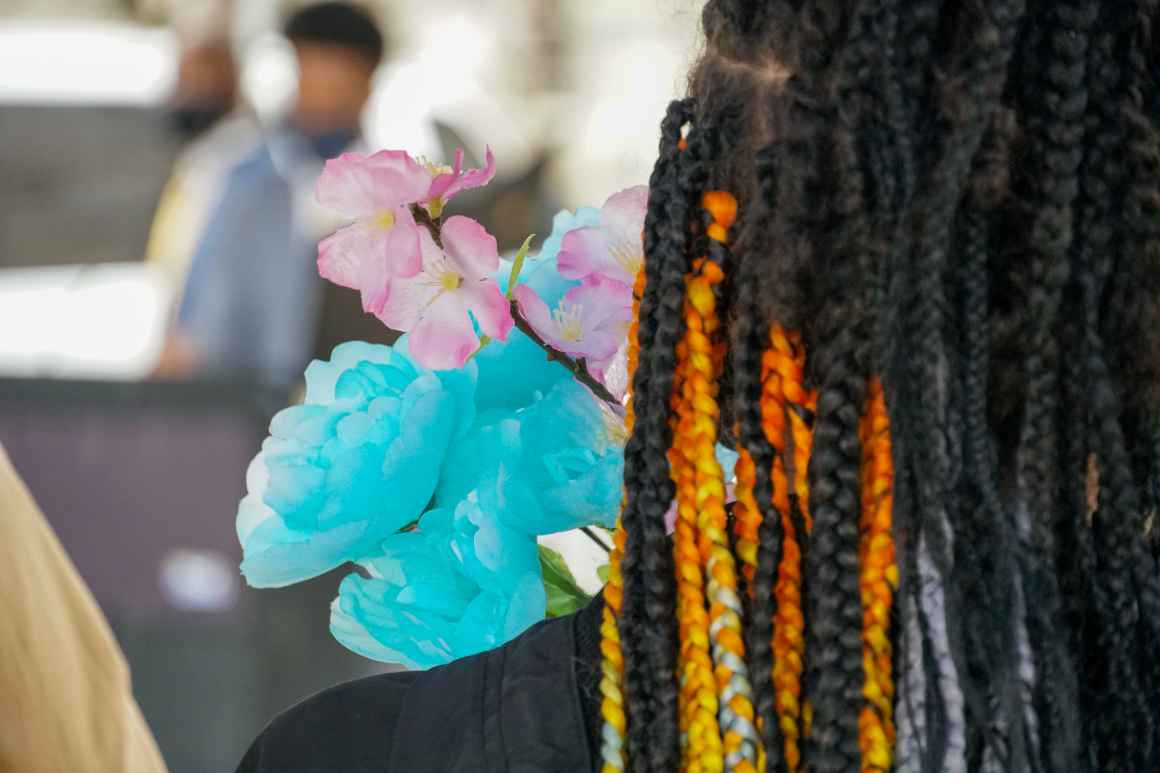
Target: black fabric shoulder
527,706
349,727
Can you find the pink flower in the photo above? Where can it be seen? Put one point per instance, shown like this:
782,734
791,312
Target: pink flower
615,249
383,240
590,321
448,181
434,303
376,192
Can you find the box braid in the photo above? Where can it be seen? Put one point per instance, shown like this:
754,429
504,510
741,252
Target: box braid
951,208
649,601
983,551
1126,576
1055,113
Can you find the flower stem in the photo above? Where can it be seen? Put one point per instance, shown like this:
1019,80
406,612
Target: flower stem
593,536
577,367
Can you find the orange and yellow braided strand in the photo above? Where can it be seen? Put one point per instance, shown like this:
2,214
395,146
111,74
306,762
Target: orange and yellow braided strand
746,517
612,659
877,581
702,748
780,370
704,359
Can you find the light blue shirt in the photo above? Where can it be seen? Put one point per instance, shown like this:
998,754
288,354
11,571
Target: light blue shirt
251,300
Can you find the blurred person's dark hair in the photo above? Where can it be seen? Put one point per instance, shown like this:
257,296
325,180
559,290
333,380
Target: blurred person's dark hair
206,88
337,24
338,47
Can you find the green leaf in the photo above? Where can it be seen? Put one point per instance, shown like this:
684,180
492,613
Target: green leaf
602,573
565,596
518,265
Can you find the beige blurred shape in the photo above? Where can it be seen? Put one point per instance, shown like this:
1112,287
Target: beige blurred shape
68,698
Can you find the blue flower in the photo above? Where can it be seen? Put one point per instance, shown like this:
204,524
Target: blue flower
565,451
356,462
461,583
573,459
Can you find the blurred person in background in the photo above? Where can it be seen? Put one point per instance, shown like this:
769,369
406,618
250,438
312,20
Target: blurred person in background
204,109
68,696
251,300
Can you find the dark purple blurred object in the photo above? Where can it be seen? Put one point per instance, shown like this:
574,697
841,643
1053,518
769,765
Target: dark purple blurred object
129,473
140,477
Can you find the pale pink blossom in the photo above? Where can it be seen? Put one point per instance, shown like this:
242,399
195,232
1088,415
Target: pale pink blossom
590,321
613,250
453,284
383,240
447,181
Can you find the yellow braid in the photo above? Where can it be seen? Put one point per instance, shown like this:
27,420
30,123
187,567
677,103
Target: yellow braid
702,748
612,659
704,359
877,581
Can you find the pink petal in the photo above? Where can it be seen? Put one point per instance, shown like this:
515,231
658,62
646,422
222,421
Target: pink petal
443,182
357,187
342,256
616,249
444,338
584,252
605,314
603,302
671,519
473,178
409,297
363,256
450,183
469,247
399,179
350,258
537,314
400,244
490,308
622,216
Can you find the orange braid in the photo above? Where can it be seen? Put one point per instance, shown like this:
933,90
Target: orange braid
781,377
879,578
612,659
696,439
746,517
702,748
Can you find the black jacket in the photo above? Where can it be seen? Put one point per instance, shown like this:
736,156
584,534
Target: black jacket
528,706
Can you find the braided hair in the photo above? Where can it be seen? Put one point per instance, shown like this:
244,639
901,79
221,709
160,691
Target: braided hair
905,257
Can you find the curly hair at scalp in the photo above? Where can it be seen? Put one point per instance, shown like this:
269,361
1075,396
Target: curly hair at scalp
955,205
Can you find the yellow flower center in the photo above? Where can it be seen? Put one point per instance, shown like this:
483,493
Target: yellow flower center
435,207
433,168
385,221
567,318
450,280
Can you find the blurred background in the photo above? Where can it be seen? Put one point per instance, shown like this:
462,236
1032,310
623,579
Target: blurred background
146,146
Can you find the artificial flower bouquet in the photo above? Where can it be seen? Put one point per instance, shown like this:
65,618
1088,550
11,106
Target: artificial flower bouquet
433,465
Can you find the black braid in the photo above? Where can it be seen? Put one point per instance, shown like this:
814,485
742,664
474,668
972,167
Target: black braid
750,342
1058,110
664,246
983,551
1100,177
841,367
